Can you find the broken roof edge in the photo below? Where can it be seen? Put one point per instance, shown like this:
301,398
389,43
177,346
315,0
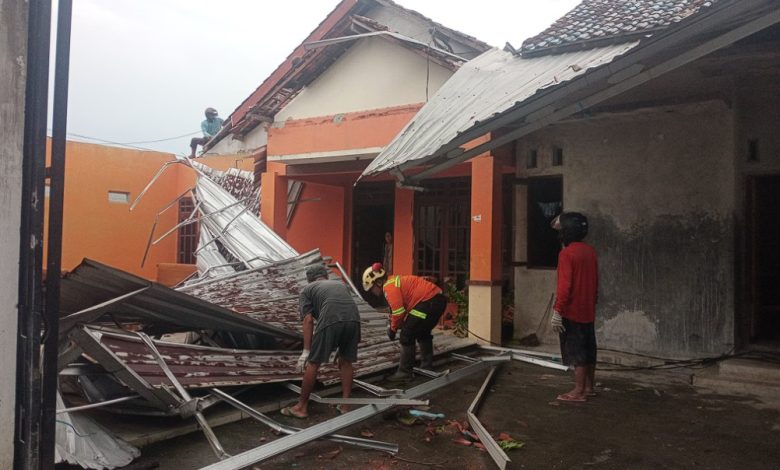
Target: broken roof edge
232,321
717,20
313,254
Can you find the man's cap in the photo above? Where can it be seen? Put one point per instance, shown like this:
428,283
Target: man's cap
211,111
316,271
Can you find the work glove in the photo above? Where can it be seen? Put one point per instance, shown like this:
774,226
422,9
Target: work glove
557,323
301,364
391,334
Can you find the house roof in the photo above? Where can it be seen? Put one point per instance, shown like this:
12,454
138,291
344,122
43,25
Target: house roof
482,88
499,89
595,22
305,63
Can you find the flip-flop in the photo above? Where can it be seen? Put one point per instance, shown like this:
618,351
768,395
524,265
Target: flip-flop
288,411
341,410
570,398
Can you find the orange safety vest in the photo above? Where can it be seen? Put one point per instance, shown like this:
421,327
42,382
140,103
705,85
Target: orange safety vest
403,293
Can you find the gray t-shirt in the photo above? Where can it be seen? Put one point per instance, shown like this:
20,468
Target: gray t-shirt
329,302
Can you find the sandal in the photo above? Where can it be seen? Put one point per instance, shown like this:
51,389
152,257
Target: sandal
289,411
570,398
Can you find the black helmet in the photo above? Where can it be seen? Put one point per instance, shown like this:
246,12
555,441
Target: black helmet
574,227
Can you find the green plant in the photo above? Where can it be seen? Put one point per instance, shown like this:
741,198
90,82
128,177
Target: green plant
460,298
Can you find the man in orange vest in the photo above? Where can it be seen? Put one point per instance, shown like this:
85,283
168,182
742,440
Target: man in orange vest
415,308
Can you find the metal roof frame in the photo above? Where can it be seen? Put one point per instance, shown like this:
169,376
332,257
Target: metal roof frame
330,426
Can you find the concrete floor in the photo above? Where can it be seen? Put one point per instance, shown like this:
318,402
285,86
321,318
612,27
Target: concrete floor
645,420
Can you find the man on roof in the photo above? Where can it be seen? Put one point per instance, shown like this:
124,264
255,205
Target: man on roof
415,307
210,127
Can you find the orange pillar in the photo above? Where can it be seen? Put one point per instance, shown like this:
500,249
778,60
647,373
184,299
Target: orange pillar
403,233
346,257
273,202
485,269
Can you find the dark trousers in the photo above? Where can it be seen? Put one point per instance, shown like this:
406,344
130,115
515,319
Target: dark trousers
197,141
416,328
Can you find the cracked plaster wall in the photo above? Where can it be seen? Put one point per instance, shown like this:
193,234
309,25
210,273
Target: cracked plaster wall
659,189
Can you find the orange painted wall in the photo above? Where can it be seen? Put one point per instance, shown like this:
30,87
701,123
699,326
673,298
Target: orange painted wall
362,129
320,224
108,232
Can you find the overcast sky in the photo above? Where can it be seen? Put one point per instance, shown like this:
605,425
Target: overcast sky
144,70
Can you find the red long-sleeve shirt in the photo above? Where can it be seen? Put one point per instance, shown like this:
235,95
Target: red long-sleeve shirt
578,283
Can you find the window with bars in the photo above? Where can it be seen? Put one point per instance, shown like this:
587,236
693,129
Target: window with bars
188,234
442,230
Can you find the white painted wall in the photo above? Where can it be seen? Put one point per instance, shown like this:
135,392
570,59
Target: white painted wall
374,73
13,55
255,139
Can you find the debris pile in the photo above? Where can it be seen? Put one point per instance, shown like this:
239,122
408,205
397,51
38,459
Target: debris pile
132,346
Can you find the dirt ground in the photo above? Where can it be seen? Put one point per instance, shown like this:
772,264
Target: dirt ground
640,421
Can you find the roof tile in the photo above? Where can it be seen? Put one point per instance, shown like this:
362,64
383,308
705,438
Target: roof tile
619,20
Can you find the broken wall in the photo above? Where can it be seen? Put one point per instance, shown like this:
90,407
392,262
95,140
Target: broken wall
658,186
13,57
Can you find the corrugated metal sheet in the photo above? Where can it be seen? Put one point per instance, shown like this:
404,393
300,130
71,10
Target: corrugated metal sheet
158,308
486,86
268,295
239,230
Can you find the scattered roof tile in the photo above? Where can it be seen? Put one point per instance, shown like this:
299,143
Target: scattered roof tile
610,20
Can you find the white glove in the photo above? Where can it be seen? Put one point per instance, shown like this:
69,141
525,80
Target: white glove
557,323
302,361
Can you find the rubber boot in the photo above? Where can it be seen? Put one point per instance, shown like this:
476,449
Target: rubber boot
426,354
405,365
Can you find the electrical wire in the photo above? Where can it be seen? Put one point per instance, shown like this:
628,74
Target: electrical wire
130,144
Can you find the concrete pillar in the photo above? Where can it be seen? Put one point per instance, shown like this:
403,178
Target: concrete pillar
485,269
346,253
273,202
13,53
403,233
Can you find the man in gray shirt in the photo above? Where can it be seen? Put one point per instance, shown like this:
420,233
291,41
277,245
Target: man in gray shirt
330,303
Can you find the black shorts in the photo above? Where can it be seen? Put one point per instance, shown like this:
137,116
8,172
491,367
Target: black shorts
578,343
343,336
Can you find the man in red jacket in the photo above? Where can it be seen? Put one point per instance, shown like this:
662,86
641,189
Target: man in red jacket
575,304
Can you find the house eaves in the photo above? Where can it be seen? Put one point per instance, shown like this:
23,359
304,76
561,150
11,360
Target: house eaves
434,138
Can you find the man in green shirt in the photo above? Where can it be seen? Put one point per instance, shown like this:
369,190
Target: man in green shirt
210,127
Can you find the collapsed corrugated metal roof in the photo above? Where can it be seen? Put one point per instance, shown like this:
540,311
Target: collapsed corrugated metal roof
488,85
96,293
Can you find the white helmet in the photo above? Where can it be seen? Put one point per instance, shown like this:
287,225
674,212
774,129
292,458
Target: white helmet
371,274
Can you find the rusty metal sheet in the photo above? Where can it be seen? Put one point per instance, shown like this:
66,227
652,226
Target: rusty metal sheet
158,308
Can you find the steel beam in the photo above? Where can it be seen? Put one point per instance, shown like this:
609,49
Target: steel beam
204,425
431,374
395,401
496,452
388,447
317,431
376,389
